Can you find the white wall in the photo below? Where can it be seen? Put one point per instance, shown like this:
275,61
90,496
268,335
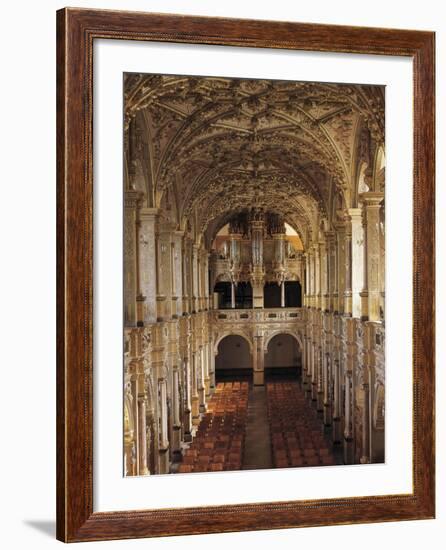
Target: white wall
28,274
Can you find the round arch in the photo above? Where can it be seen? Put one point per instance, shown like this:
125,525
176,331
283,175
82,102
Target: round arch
232,333
282,331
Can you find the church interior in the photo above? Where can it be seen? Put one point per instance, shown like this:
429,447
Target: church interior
254,274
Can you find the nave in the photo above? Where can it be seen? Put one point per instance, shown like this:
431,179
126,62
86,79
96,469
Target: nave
254,241
258,427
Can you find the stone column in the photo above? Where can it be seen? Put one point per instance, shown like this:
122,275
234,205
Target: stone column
330,238
177,273
317,277
142,433
176,443
365,455
324,276
233,295
131,200
371,205
348,308
195,398
201,378
129,467
147,262
327,391
305,288
207,374
187,415
320,387
195,291
314,367
340,279
212,368
164,428
163,258
258,272
337,403
308,367
348,433
258,360
282,294
357,261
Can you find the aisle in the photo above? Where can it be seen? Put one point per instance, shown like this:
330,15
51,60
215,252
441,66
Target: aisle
257,447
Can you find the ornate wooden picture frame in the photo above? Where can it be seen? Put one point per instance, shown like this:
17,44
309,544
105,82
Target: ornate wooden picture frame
77,29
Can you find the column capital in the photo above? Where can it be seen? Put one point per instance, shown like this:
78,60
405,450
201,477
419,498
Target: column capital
148,213
371,198
132,198
354,213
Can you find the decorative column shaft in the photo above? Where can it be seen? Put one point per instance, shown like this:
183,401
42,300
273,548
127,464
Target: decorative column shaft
195,399
202,378
323,250
317,276
331,271
258,360
348,405
348,269
187,416
372,205
365,456
337,402
340,287
195,291
327,391
142,432
131,199
357,261
164,432
147,263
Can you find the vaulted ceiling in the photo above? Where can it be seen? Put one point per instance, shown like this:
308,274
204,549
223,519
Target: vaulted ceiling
204,148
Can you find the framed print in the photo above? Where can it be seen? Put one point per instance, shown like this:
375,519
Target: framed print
245,275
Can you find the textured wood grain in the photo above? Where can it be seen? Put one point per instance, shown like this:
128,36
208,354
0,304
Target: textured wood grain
76,30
